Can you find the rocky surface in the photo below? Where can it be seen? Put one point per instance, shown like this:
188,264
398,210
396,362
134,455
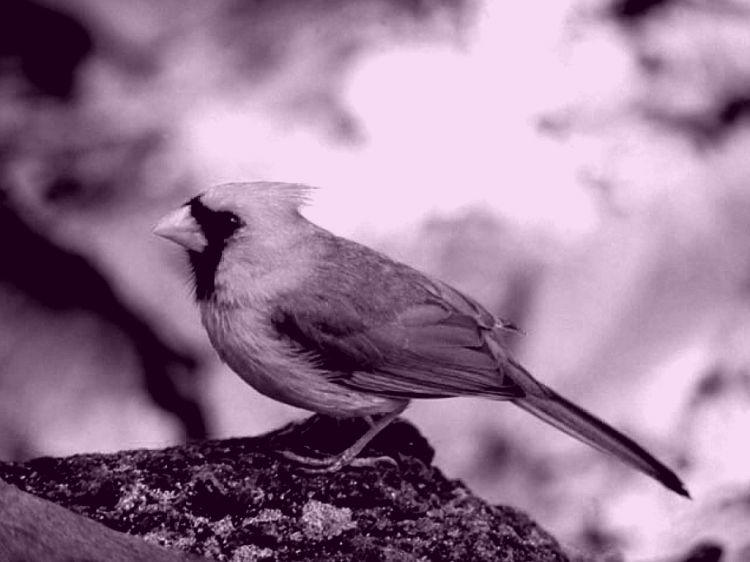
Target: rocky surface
36,530
239,500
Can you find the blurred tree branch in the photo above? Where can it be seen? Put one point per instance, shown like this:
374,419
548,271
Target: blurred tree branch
59,279
46,45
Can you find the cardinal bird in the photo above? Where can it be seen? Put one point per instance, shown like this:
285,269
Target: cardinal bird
329,325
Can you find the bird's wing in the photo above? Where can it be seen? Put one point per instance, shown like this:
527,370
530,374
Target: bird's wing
432,349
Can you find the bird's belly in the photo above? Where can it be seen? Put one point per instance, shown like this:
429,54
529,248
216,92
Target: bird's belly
301,390
273,368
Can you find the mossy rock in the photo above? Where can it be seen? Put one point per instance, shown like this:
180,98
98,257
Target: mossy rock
240,500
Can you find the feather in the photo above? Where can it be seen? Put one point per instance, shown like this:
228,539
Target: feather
383,328
443,354
578,423
261,195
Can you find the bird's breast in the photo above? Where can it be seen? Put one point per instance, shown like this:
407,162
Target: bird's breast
247,343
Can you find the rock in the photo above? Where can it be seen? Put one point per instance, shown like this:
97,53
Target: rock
35,530
239,500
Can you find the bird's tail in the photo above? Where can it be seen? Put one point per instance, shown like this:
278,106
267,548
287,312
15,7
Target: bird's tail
577,422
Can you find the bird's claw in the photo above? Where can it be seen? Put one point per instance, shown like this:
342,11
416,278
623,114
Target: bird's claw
326,465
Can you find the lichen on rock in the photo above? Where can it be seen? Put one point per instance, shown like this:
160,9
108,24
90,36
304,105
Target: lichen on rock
238,500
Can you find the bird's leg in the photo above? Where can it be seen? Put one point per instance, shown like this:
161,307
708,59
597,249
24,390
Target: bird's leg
348,457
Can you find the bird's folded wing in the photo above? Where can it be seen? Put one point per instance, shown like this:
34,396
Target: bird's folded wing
429,350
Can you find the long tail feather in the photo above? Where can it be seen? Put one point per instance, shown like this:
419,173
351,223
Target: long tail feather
577,422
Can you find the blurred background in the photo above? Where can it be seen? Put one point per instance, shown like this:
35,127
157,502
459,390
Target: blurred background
580,167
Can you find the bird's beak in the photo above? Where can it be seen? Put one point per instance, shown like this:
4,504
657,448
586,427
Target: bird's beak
180,227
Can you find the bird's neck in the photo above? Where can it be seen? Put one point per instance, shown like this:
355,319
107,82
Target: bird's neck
255,279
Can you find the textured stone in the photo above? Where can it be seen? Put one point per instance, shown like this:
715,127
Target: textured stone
239,500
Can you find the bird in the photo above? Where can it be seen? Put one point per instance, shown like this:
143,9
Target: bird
329,325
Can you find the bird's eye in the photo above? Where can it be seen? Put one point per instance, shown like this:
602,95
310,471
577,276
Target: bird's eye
227,222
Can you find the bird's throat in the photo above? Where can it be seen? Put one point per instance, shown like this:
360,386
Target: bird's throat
204,266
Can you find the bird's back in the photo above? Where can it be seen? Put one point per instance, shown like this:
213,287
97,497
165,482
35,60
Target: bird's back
375,286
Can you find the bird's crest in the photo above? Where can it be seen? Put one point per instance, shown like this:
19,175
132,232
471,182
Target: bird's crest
262,194
292,194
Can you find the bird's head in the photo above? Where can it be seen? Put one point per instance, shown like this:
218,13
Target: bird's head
252,224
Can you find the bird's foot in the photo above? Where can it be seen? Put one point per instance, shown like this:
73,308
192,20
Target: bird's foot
335,463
